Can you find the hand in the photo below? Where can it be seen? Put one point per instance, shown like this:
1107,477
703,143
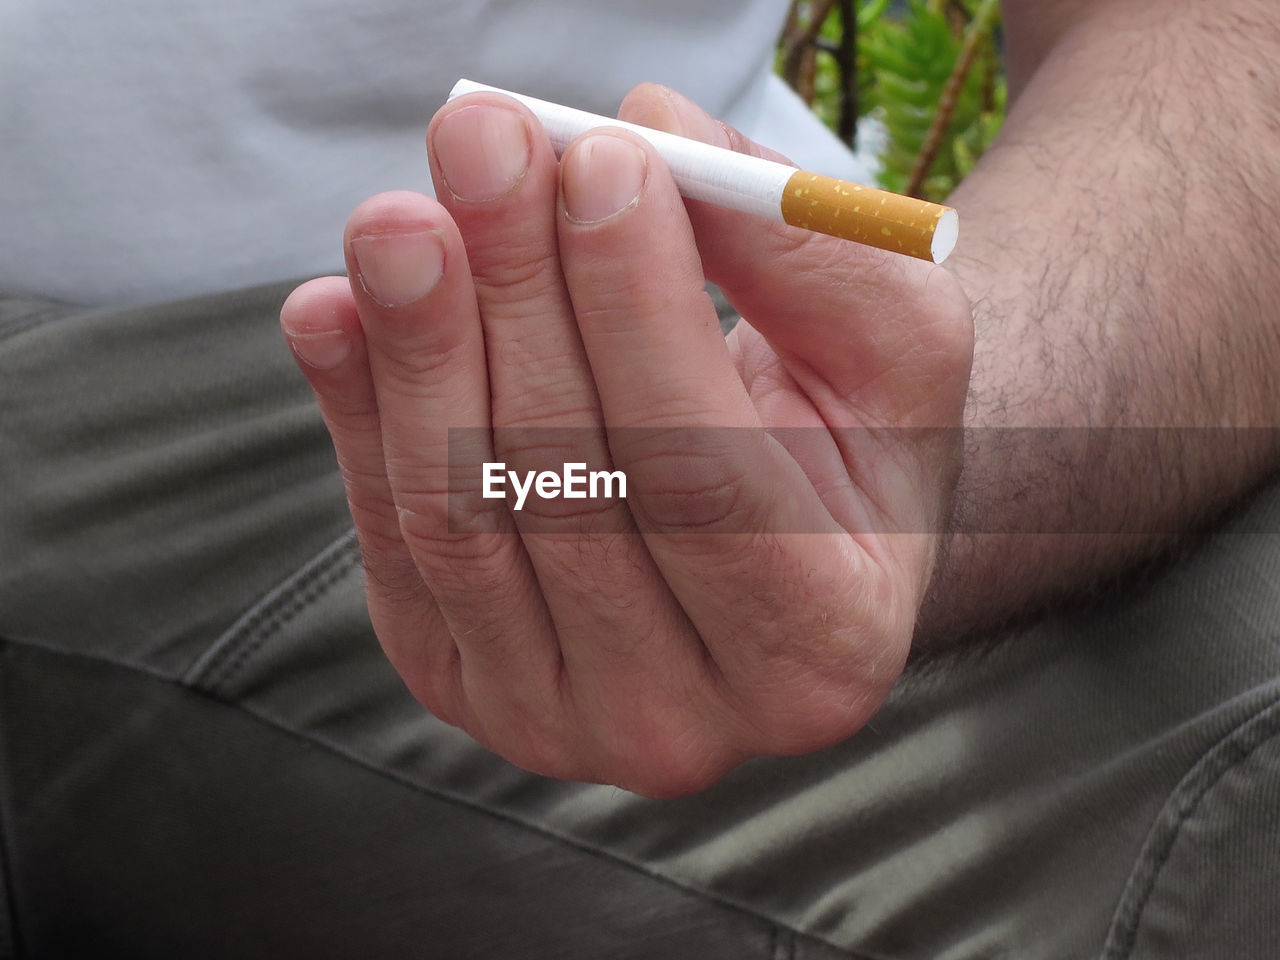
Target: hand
750,596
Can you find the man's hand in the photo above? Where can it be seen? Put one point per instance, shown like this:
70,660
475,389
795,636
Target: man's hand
756,591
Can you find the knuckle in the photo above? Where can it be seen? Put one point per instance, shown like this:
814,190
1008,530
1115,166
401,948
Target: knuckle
458,551
444,511
546,402
366,485
482,554
581,517
384,555
514,273
687,481
387,562
620,299
703,506
350,410
467,513
416,368
738,142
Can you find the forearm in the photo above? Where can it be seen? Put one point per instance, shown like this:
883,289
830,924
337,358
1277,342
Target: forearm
1118,250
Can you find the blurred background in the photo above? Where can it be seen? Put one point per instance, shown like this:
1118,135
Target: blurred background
916,86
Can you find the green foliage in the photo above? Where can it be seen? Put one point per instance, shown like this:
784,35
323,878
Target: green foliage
905,59
910,61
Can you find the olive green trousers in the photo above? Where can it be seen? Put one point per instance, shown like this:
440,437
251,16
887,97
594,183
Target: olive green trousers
203,752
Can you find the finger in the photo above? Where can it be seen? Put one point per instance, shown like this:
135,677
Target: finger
842,313
498,181
880,344
497,175
685,432
322,328
413,291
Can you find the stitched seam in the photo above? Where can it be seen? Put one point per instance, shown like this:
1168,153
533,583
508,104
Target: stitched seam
467,803
546,831
229,654
1130,936
307,595
1184,802
226,655
1233,749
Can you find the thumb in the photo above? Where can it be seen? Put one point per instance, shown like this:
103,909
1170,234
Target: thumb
859,328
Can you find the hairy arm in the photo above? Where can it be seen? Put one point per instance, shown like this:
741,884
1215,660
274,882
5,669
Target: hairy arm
1116,255
1119,247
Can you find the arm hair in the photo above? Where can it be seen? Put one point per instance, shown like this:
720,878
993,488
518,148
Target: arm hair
1120,249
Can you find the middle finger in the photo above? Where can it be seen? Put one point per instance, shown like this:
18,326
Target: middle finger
496,173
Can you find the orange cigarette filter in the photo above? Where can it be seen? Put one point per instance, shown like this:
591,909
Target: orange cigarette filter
866,215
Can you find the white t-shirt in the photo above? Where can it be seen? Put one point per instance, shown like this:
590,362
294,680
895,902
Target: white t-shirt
152,149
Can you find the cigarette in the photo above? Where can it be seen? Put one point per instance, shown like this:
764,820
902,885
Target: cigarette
917,228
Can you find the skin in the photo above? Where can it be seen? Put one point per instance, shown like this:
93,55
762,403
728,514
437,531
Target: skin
655,643
1117,250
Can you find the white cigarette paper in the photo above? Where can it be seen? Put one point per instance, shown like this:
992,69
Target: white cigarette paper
767,189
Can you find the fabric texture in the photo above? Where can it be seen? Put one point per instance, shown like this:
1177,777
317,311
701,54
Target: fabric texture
132,127
203,752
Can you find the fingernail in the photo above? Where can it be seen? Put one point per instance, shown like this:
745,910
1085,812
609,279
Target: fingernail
483,151
397,269
324,351
603,175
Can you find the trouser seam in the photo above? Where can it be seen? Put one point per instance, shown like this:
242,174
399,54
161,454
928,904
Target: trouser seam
232,651
788,936
1234,748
